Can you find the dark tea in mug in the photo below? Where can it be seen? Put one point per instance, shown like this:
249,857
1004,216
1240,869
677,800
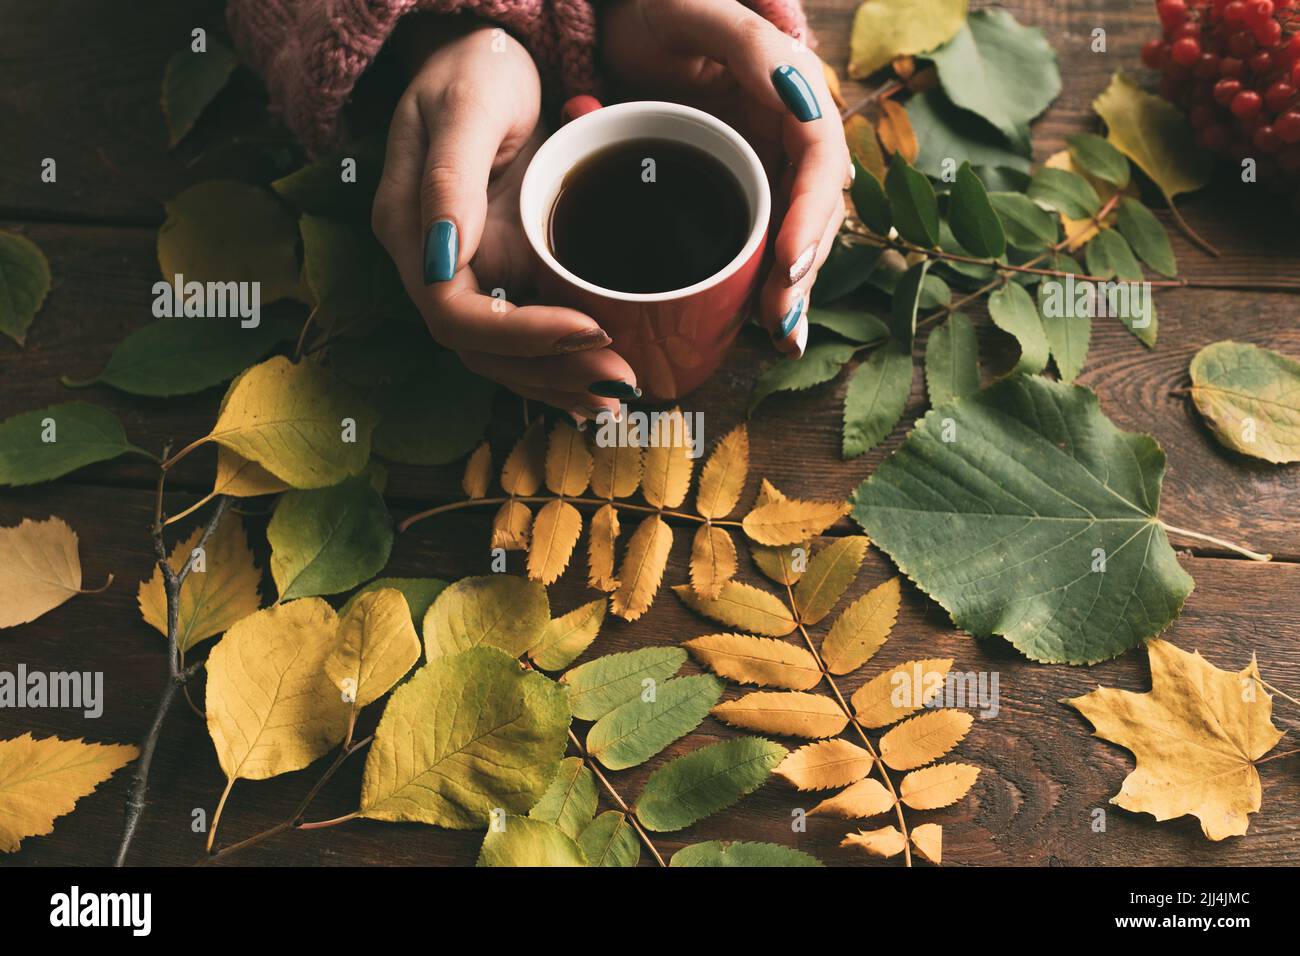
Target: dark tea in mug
648,215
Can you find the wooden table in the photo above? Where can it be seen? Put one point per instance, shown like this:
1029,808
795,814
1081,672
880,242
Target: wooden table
80,83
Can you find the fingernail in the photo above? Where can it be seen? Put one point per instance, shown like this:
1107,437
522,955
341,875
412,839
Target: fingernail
789,321
441,249
795,93
582,341
800,339
614,389
801,265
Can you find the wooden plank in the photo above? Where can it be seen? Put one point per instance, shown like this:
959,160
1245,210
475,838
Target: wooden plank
1043,774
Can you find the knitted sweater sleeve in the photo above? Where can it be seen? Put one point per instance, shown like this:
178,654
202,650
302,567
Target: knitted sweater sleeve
311,53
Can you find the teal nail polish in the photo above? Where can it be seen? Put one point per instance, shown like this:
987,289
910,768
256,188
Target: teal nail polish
614,389
790,319
441,249
796,94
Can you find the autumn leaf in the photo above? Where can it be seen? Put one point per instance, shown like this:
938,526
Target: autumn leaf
895,130
328,540
556,530
1250,398
601,537
420,593
885,29
42,780
705,781
658,715
25,275
1196,734
830,571
862,628
918,741
743,606
928,840
609,840
864,146
875,701
376,647
790,714
724,474
500,610
779,565
723,853
512,527
616,470
478,472
790,521
826,764
39,569
764,661
938,786
522,841
666,472
570,801
568,462
642,569
240,478
713,560
884,843
567,636
525,466
598,687
866,798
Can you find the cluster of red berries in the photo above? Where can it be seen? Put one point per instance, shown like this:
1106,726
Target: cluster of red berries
1234,66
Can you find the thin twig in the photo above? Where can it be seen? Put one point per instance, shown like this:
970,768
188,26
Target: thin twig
627,811
541,499
1189,232
879,93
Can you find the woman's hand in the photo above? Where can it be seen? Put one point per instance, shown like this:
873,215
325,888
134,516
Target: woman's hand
723,58
447,211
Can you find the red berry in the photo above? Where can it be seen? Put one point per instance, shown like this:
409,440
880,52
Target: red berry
1268,33
1234,13
1186,52
1242,44
1290,53
1231,66
1279,96
1266,139
1207,67
1287,127
1225,90
1246,105
1258,11
1189,29
1259,62
1153,53
1172,12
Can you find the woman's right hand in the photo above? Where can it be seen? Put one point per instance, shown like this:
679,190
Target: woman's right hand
447,212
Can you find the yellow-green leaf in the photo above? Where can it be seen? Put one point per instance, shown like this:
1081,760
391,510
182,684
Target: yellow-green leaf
567,636
377,645
885,29
1250,398
830,571
862,629
521,841
25,279
570,801
500,610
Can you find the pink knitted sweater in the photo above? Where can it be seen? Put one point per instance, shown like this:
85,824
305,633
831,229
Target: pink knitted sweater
312,52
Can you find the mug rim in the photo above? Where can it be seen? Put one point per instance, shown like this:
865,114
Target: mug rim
534,230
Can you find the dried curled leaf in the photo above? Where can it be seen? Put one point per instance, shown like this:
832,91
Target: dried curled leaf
478,472
938,786
600,549
899,691
743,606
713,560
922,739
616,470
790,521
862,629
555,533
826,764
866,798
643,568
525,466
497,609
568,636
568,462
793,714
928,840
830,572
724,474
666,476
884,843
764,661
512,527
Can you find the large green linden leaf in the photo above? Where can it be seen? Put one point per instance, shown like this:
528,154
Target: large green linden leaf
1025,512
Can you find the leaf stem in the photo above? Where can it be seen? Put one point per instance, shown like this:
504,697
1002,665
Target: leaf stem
1245,552
322,824
1273,690
617,798
216,816
1285,753
542,499
1188,231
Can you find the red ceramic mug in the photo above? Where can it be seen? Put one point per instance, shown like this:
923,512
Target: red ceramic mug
673,340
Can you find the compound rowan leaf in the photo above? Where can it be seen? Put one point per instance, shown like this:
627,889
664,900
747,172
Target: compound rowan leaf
1003,527
601,538
478,472
826,764
190,82
723,853
764,661
791,521
598,687
42,780
920,740
713,560
39,569
791,714
862,629
885,842
724,474
271,705
866,798
661,713
743,606
643,568
705,781
499,610
568,636
928,840
616,470
609,840
939,786
556,530
329,540
568,462
879,703
1196,734
830,572
570,801
25,279
783,565
50,442
667,464
525,466
221,589
522,841
1250,398
512,526
377,646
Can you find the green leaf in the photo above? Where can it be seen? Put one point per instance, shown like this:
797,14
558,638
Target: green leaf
434,418
1064,191
1013,311
820,363
419,593
974,271
1108,254
568,636
948,133
952,361
906,300
466,735
869,201
725,853
877,398
190,82
525,842
499,610
916,211
701,783
570,801
187,355
934,291
845,270
1147,236
47,443
1098,158
598,687
1002,526
1068,333
610,841
329,539
1029,227
349,273
973,220
1250,398
854,324
24,283
321,188
885,29
635,731
1001,71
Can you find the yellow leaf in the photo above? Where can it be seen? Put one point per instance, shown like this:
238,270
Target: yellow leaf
900,691
1079,232
928,840
500,610
616,470
724,474
526,464
862,629
830,571
768,493
764,661
272,707
39,569
866,798
512,526
938,786
923,739
666,477
478,472
825,764
782,712
779,564
600,549
240,478
568,636
568,463
743,606
216,594
895,129
863,145
555,532
1196,735
791,521
713,560
643,568
376,647
885,29
885,842
298,422
42,780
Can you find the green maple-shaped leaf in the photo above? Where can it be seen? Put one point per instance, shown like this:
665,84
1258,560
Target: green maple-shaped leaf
1031,516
